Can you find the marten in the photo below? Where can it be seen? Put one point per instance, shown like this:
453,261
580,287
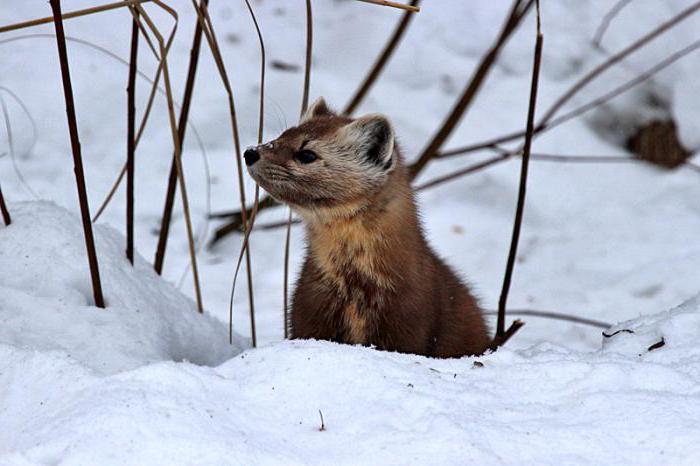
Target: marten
369,276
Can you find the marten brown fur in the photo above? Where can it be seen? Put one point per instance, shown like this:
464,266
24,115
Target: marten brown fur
369,277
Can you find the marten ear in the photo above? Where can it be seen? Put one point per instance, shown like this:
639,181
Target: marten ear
317,109
374,139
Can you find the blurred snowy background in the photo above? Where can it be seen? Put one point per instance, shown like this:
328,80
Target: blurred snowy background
607,241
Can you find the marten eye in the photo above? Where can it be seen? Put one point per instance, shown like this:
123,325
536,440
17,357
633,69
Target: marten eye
305,156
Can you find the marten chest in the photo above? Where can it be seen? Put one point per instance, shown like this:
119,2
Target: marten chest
350,266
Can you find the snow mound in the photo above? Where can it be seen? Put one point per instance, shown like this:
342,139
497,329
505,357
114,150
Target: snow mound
46,299
544,405
675,331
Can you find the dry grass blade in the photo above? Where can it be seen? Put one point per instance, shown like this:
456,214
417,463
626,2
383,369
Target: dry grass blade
77,157
163,49
501,334
210,35
10,137
71,14
381,62
304,105
130,136
410,8
249,225
516,14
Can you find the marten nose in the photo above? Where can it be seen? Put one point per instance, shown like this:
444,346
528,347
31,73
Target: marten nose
251,156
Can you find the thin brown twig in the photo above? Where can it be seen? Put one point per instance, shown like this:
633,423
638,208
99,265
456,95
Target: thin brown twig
130,143
517,12
381,61
77,157
501,334
176,141
249,226
71,14
208,29
181,131
464,171
554,316
4,210
409,8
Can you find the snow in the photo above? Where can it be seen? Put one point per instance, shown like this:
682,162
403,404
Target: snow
149,381
46,301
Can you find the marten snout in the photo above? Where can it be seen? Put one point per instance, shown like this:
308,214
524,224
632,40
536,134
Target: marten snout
251,156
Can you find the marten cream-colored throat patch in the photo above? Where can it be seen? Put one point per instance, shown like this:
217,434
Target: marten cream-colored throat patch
349,244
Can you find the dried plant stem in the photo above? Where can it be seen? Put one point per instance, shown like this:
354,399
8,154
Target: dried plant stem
249,225
464,171
501,334
176,141
71,14
409,8
210,35
381,62
517,12
4,210
555,316
607,19
307,62
181,130
77,157
130,144
304,105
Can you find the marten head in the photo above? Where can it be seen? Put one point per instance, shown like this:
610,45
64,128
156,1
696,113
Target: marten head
326,163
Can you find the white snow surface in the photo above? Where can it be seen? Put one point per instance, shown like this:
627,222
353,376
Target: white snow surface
149,381
46,301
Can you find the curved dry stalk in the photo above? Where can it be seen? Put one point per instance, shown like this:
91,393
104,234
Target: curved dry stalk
249,225
381,61
10,139
208,30
173,129
607,19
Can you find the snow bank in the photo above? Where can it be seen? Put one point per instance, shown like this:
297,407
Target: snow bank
113,393
546,405
46,299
